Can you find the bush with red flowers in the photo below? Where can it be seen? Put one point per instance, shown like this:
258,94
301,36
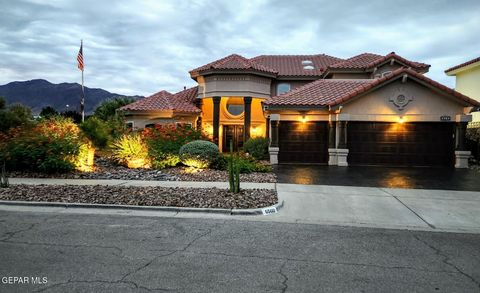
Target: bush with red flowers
52,145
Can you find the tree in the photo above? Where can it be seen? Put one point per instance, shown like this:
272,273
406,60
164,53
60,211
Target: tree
13,115
76,117
107,109
48,112
3,103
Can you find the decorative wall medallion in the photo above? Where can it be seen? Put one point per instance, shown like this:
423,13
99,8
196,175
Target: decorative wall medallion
400,98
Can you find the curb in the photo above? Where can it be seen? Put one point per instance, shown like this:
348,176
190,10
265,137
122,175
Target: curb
244,212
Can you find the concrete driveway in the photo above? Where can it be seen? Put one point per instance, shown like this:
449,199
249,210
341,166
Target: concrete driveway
418,209
395,177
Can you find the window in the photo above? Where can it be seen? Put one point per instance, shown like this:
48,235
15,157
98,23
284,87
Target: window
183,125
283,88
129,125
235,109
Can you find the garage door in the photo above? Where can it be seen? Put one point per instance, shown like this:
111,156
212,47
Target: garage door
396,144
303,142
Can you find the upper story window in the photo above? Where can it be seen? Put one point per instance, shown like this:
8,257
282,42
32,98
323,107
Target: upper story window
283,88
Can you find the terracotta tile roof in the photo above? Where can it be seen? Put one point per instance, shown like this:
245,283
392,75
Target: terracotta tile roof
232,62
155,101
291,65
369,60
331,92
182,101
318,93
475,60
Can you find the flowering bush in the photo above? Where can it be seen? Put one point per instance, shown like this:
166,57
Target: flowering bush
164,143
52,145
199,154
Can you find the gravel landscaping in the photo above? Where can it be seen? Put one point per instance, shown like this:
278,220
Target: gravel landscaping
142,196
105,169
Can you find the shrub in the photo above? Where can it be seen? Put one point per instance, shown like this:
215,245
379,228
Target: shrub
257,147
53,145
198,154
164,143
131,150
247,164
97,130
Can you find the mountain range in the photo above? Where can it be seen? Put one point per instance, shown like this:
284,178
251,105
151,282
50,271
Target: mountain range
40,93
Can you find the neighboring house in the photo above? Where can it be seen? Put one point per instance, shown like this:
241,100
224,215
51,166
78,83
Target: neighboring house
366,110
467,81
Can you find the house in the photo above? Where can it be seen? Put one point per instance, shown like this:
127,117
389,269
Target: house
366,110
467,81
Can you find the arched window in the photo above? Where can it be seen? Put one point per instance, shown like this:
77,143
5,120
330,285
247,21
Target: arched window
283,88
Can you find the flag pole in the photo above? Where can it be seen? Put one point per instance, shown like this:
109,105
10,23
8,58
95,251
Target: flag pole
82,102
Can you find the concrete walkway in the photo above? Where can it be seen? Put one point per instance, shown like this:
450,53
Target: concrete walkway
113,182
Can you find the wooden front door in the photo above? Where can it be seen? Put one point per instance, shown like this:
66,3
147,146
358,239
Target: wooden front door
232,133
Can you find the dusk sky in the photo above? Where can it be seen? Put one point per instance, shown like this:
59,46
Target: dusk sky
141,47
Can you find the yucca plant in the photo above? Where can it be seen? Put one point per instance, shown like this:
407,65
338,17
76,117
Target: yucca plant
3,177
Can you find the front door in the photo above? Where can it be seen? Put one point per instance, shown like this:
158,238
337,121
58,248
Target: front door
232,133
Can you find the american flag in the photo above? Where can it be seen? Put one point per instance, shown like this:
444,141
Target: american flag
80,57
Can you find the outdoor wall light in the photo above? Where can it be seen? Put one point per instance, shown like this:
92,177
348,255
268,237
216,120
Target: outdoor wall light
303,119
401,119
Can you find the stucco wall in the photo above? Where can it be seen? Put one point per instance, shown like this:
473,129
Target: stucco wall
139,121
234,85
468,83
426,104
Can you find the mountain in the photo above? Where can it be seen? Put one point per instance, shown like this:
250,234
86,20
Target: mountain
39,93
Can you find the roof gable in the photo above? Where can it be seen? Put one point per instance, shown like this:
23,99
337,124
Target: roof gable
332,92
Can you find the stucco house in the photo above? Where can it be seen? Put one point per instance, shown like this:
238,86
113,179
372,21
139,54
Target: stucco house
467,81
318,109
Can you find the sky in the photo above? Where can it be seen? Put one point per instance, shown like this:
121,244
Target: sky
142,47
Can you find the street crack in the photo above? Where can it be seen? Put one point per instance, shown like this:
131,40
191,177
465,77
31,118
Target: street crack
446,260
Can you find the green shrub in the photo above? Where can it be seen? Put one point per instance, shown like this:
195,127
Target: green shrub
198,154
247,164
131,150
53,145
257,147
97,130
164,143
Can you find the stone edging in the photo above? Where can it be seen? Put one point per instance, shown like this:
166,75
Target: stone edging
244,212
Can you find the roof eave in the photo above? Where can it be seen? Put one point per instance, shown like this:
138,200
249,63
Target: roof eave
452,72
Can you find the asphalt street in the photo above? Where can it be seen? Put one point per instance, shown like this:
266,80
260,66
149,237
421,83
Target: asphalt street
123,253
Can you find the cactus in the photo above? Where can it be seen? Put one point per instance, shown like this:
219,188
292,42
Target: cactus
4,177
233,171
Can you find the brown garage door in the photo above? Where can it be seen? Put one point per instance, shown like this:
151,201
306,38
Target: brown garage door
303,142
395,144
